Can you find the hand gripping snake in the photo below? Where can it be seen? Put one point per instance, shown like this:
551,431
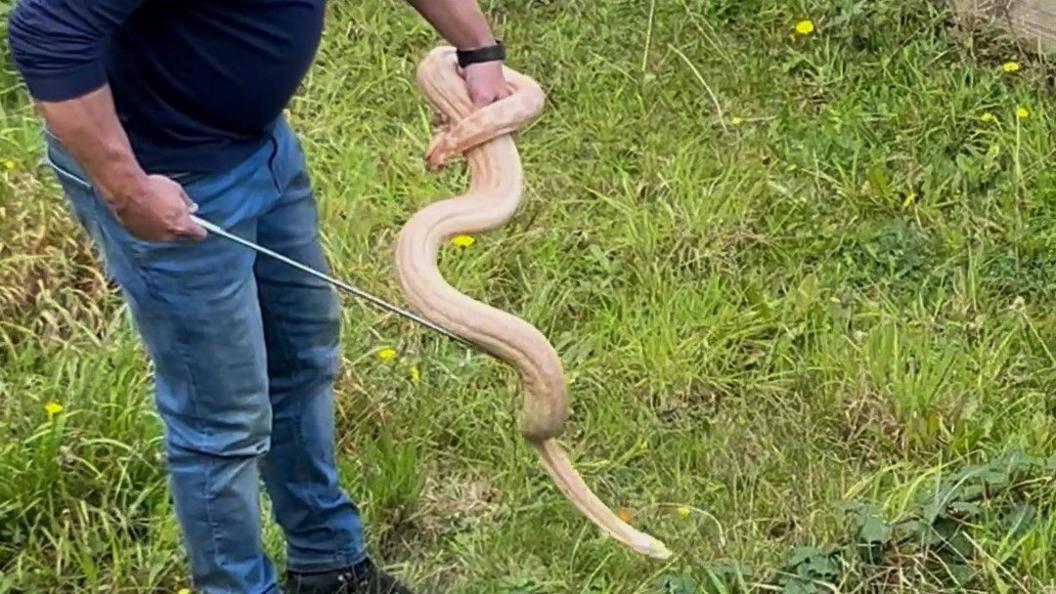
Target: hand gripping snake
483,137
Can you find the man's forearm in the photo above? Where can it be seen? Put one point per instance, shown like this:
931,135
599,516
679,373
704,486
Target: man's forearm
89,129
59,48
150,207
459,21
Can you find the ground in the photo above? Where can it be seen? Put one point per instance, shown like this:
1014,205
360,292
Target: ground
800,276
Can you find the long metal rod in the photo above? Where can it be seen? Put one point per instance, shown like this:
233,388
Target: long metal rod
210,227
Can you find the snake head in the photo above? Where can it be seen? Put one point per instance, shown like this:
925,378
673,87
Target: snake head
440,150
483,125
440,120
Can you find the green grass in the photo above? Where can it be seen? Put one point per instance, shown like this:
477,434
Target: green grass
783,273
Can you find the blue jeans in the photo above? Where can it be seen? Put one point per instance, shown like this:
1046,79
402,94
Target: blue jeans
245,351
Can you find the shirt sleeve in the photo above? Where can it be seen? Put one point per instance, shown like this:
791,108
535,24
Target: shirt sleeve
58,45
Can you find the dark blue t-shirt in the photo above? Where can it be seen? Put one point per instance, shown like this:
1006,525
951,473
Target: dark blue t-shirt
197,84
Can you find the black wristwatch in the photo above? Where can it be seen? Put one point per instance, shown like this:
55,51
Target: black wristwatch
488,53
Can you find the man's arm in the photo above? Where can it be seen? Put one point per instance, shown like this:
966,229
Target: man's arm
463,25
57,46
460,22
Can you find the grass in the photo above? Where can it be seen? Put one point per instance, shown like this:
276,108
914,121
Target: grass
802,287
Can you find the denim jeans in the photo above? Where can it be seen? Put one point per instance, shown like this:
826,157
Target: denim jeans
244,352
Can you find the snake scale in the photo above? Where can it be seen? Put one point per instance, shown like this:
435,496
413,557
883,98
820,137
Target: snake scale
483,137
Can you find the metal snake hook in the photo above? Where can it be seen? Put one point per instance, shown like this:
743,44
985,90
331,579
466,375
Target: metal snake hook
211,228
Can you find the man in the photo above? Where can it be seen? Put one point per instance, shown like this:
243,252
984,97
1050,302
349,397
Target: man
153,108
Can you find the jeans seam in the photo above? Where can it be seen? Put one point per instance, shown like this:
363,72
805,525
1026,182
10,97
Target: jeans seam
297,370
210,468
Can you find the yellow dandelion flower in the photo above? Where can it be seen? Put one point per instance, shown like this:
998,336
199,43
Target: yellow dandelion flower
1010,67
736,120
387,354
986,117
462,241
52,408
414,374
805,27
1022,113
9,164
682,511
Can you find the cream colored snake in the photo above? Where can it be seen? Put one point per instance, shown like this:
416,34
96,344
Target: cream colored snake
483,137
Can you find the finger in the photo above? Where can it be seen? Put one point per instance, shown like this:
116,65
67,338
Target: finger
190,230
195,232
192,206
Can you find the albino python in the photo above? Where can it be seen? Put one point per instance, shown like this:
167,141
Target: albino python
483,137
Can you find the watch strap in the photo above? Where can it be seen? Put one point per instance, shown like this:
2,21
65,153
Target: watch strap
489,53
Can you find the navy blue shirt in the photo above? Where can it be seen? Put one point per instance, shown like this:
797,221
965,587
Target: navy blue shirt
197,84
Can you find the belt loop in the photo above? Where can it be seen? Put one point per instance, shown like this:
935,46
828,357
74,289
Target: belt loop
272,160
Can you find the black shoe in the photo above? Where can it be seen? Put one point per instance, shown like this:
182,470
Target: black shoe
365,578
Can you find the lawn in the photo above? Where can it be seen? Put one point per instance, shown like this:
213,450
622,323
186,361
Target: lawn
802,284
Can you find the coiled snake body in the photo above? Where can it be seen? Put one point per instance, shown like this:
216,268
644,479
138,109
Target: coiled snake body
483,137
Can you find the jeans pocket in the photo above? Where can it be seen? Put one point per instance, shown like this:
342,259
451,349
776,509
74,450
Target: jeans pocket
79,194
93,213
